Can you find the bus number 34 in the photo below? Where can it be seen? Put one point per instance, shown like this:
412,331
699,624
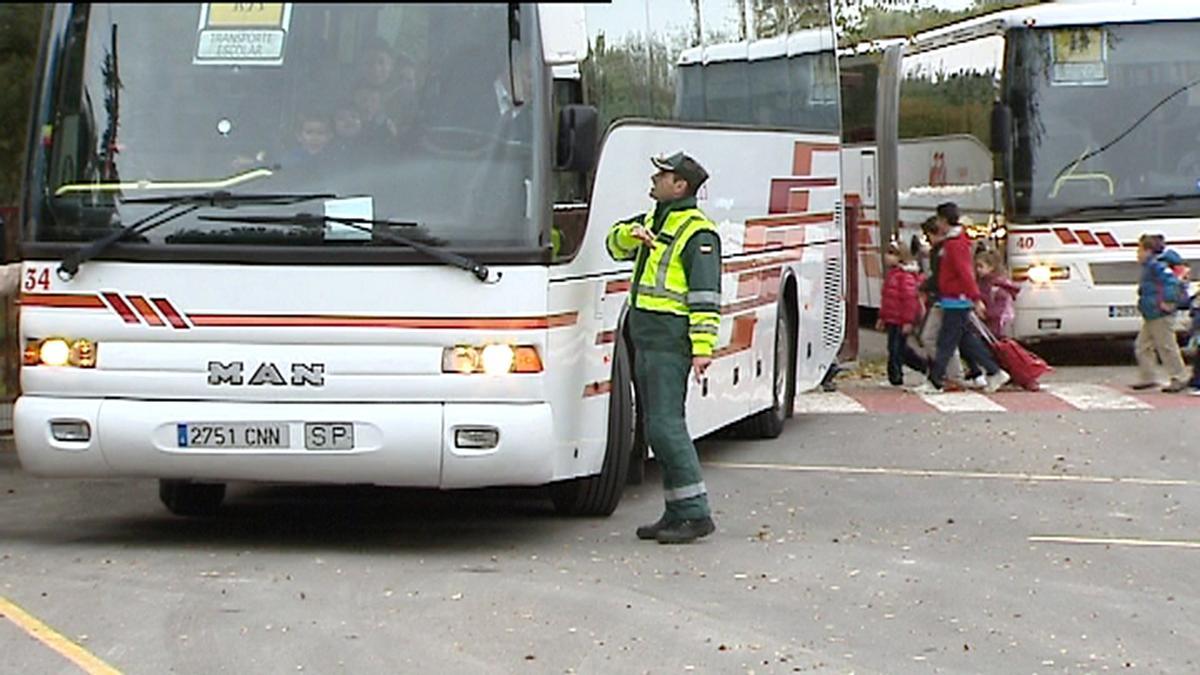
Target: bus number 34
36,279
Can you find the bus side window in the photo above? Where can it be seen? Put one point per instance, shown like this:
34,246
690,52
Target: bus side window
570,187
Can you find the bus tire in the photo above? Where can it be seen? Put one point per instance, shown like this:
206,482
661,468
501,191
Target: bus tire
769,423
640,454
599,495
185,498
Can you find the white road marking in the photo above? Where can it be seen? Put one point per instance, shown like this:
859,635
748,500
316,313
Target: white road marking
1095,397
962,401
827,402
951,473
1115,541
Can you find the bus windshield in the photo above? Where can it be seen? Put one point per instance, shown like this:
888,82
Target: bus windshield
405,110
1107,120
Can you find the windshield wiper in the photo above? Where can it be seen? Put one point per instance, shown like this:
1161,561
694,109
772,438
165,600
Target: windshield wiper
1160,200
1125,204
176,206
1117,139
422,244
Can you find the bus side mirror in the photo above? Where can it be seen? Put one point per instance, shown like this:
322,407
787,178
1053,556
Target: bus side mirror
1001,128
578,134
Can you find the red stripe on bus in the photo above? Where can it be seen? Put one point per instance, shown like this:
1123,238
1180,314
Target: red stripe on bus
597,388
139,303
1108,240
168,310
432,323
65,300
1065,236
606,337
1086,237
742,338
616,287
118,304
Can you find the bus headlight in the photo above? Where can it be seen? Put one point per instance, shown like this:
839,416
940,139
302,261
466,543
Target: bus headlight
1041,273
54,352
492,359
57,351
497,359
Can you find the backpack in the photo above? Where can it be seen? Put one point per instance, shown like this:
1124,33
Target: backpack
1175,286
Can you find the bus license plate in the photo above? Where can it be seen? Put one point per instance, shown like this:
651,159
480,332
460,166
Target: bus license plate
269,435
1123,311
328,436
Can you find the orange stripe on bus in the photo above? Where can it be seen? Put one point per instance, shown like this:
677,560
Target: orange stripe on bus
139,303
68,300
790,219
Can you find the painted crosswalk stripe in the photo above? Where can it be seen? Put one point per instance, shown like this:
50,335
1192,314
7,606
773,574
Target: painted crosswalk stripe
962,401
819,402
1095,397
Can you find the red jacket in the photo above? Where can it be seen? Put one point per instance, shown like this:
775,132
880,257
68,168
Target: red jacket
956,269
900,305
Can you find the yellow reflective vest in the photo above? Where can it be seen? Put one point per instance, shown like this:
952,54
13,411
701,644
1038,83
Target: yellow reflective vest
661,280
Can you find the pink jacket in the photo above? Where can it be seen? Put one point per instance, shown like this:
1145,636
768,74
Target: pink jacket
998,293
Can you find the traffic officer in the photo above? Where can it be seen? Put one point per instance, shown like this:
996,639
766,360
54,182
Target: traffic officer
673,319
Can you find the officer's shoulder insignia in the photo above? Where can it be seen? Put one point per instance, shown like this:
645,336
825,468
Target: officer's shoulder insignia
706,248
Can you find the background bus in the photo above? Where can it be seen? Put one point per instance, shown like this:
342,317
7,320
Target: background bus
1063,131
365,244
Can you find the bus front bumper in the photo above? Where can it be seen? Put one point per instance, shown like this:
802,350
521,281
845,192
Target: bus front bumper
442,445
1107,321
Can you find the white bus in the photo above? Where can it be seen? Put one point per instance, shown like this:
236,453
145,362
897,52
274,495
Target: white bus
1063,131
365,244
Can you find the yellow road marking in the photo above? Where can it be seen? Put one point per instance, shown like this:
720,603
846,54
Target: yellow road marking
55,640
1115,541
946,473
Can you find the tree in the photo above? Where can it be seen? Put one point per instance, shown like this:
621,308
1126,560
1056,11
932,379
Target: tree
20,28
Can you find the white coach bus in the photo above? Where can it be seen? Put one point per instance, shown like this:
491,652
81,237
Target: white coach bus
1063,130
364,244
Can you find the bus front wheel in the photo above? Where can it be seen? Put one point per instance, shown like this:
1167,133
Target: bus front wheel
599,495
769,423
185,498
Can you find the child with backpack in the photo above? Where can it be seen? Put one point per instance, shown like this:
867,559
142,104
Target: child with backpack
899,310
1161,293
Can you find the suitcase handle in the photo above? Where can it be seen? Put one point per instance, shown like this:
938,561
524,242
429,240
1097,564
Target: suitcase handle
983,329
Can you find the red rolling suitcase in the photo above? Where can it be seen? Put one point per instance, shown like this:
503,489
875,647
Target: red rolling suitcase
1024,366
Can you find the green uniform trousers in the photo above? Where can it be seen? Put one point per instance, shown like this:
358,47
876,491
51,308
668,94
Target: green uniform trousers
662,388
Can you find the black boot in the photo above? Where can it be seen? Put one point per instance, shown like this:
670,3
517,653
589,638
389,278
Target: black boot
651,531
686,531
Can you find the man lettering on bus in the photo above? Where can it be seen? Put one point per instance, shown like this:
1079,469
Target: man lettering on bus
674,316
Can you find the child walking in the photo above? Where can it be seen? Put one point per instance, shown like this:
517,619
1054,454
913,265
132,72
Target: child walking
998,292
1158,298
900,309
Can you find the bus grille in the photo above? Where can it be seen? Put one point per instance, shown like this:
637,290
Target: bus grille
831,324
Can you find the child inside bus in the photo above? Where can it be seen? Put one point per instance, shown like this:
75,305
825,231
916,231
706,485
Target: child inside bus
899,310
998,291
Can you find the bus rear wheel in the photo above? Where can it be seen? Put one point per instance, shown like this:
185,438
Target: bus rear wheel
185,498
599,495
